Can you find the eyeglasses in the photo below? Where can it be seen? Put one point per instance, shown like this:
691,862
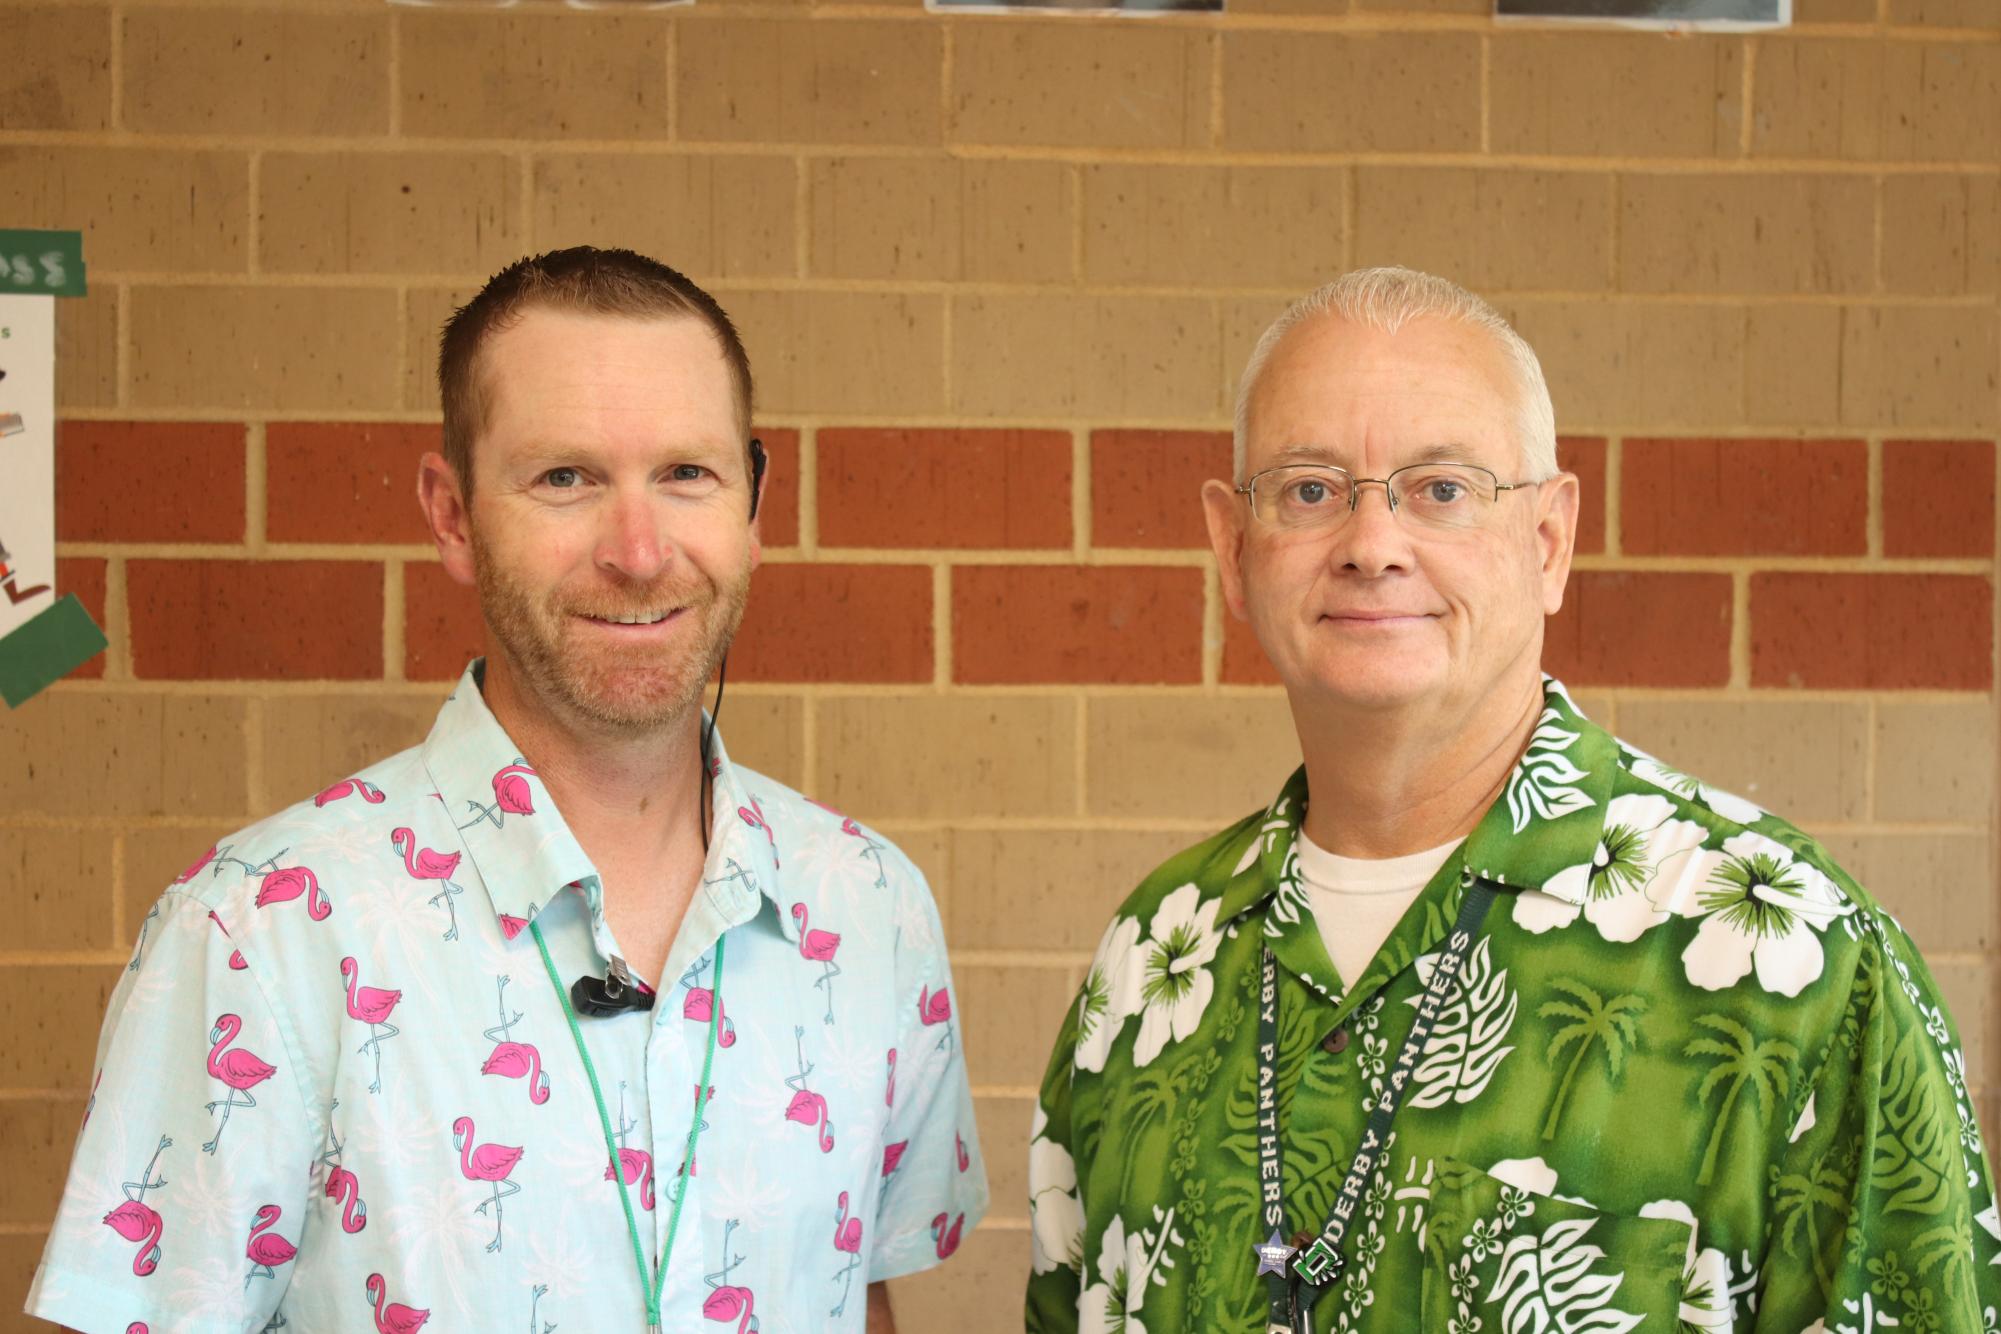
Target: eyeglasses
1310,496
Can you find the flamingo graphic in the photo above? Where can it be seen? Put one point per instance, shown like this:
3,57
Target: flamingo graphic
819,947
138,1327
266,1249
195,870
964,1161
847,1239
236,962
372,1006
871,849
288,884
511,796
139,950
222,856
512,926
511,1059
889,1095
724,1302
935,1007
425,864
892,1154
135,1220
242,1070
807,1106
395,1318
702,1002
947,1239
489,1163
635,1165
535,1305
753,815
348,787
343,1185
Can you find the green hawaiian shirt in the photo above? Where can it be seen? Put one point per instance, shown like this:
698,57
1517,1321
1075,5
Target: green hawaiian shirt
1691,1077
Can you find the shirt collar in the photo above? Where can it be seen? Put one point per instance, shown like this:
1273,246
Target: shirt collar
1550,815
526,855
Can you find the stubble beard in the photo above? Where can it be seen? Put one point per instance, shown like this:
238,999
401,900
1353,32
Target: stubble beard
637,689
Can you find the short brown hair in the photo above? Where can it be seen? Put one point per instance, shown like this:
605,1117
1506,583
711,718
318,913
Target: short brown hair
584,280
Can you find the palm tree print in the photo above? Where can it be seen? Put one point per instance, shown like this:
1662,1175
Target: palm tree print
1740,1059
1614,1025
1801,1196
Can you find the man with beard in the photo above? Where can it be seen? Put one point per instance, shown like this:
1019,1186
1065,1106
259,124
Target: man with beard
1488,1022
560,1017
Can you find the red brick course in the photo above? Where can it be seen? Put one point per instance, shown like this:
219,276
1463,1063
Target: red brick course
1872,631
84,576
223,620
1124,625
1938,498
1585,456
836,623
778,512
1146,486
149,481
1743,497
442,627
960,489
345,481
1630,628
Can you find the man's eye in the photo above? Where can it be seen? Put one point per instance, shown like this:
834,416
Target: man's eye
688,472
1309,491
1444,492
563,479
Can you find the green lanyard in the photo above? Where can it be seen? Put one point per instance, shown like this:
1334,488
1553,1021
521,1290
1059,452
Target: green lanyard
652,1285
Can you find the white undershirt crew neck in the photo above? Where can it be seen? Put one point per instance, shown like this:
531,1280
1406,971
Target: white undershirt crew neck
1358,901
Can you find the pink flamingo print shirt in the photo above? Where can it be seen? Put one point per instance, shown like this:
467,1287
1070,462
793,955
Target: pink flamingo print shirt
335,1085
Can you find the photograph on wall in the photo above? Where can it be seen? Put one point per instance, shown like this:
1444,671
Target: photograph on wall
1718,15
1077,6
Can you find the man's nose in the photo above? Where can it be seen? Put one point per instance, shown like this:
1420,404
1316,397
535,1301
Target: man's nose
1372,539
635,541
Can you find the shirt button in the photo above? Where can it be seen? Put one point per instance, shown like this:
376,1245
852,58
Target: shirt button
1336,1042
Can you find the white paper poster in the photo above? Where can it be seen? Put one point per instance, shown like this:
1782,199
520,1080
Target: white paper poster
27,457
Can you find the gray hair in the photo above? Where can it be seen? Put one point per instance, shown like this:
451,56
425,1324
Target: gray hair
1388,298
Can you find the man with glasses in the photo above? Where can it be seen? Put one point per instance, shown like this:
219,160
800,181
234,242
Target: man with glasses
1488,1022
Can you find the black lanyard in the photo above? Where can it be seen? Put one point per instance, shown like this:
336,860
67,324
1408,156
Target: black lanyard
1318,1261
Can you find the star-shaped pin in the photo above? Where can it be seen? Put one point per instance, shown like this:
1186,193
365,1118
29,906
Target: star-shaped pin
1272,1254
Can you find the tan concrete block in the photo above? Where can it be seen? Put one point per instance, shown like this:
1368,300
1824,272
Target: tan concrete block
53,1013
389,213
1746,233
87,349
1888,101
1805,761
1792,365
1004,1126
39,1134
854,352
1942,235
258,71
1093,356
1186,757
67,85
1615,94
1834,11
884,757
425,310
1940,886
885,217
1319,8
1047,889
1920,366
138,208
1371,92
855,81
1213,226
930,849
1080,85
1935,761
61,886
979,1290
1492,231
1481,7
21,1252
767,733
1010,1016
1946,13
534,76
311,741
1018,218
153,857
1613,364
1967,989
1244,321
709,216
74,753
262,347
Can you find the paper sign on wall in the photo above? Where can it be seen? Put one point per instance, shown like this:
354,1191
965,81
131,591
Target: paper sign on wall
1077,6
43,636
1708,15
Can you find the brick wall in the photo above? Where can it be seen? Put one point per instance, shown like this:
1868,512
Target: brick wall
997,277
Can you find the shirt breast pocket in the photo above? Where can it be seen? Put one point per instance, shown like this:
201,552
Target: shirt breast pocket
1501,1259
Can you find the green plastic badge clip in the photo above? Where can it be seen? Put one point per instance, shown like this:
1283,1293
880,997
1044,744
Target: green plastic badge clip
42,651
38,263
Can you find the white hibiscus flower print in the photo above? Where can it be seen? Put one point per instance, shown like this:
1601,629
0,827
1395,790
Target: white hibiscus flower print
1172,967
1544,784
1641,841
1055,1213
1706,1303
1111,1305
1109,995
1725,804
1762,910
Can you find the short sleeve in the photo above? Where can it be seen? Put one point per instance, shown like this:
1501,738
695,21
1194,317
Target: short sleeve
1883,1198
1055,1198
188,1187
935,1180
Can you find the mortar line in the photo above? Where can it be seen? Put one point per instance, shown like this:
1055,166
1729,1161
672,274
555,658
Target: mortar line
809,492
1080,774
253,232
1746,90
941,626
1213,626
1486,92
1082,494
256,490
395,74
1872,515
117,621
802,218
1740,630
1615,458
394,650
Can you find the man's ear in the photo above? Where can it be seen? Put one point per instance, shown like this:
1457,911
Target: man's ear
447,515
1225,518
1556,535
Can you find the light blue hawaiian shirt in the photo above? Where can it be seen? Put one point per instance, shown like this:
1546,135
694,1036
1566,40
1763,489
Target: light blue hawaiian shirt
336,1083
